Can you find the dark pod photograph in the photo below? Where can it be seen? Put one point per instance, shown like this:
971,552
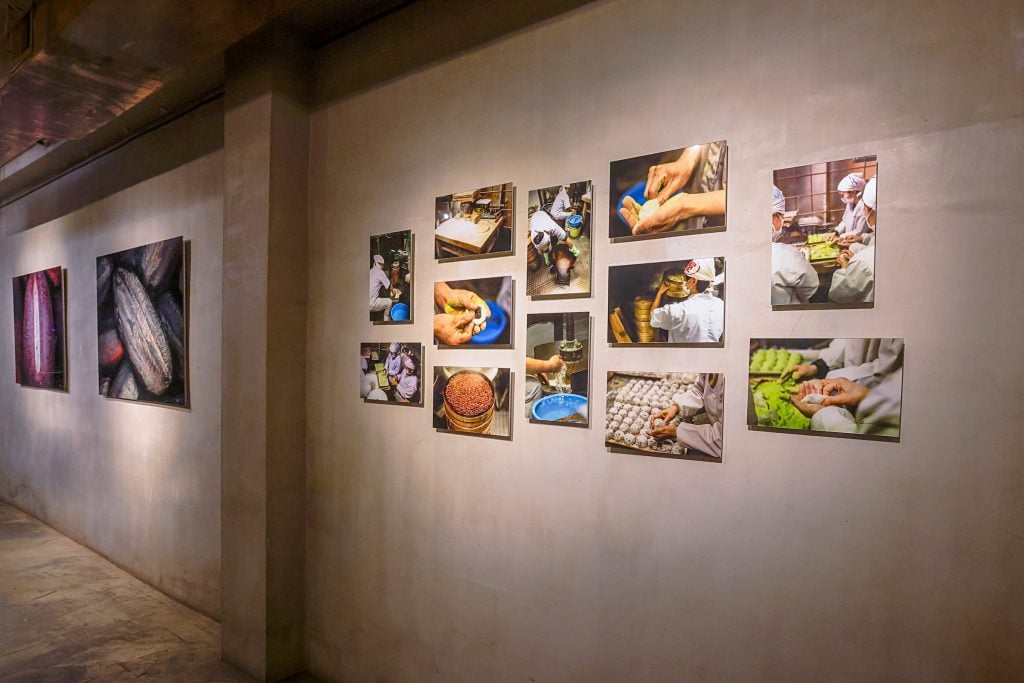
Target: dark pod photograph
142,324
40,350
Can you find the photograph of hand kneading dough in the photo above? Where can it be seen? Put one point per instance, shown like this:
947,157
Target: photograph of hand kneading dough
40,348
830,387
143,332
391,259
668,414
474,313
671,303
473,401
558,245
681,191
474,224
390,372
823,234
558,368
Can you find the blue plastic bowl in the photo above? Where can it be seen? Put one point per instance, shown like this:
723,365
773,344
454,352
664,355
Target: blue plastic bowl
637,193
556,406
496,325
400,312
575,220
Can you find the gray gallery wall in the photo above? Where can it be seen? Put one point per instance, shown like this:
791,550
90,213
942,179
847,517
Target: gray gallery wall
138,483
438,557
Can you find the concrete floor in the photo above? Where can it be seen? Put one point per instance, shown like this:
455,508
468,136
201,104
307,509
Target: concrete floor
66,614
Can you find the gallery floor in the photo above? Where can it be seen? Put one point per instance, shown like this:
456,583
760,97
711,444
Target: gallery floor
66,614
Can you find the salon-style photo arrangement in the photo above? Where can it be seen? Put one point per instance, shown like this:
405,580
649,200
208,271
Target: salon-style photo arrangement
473,401
40,346
823,234
389,372
558,368
668,414
677,192
474,313
474,224
558,244
391,287
671,303
833,387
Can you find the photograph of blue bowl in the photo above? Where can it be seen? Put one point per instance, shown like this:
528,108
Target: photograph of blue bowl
400,312
556,406
496,325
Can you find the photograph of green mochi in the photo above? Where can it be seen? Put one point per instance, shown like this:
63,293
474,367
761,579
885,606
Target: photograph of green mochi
830,387
142,324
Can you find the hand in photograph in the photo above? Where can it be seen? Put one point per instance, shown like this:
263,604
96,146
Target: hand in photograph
536,366
453,329
664,180
844,258
846,240
665,415
797,372
460,300
675,210
843,392
807,397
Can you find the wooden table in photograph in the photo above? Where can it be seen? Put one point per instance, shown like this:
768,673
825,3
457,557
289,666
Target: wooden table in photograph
467,244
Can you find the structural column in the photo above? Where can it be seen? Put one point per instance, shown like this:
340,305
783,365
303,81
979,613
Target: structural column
266,161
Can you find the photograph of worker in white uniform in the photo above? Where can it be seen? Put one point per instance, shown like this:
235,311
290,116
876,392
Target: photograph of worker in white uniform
391,258
389,372
823,234
672,303
675,415
559,240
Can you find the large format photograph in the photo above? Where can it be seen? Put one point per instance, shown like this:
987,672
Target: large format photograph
142,324
673,414
850,387
475,313
667,303
669,193
558,368
391,259
473,401
558,247
40,348
823,234
390,372
474,224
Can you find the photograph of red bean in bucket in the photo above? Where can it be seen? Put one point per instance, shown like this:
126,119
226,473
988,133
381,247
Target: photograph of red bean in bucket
142,334
39,339
473,401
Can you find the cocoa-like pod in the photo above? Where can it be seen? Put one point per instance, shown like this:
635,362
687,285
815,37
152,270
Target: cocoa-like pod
104,275
174,325
111,349
39,341
159,262
124,384
141,332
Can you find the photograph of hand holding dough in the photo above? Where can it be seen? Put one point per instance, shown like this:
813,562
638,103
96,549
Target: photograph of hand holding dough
558,242
476,312
674,415
669,193
667,302
391,257
823,234
474,224
558,368
390,372
827,386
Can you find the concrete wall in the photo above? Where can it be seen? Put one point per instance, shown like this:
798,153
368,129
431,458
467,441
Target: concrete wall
438,557
138,483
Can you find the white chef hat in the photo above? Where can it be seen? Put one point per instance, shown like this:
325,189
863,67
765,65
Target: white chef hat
394,347
778,201
378,259
870,193
541,240
409,363
854,182
701,269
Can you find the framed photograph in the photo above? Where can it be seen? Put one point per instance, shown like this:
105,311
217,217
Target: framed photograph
827,387
558,246
40,343
667,414
474,313
474,224
558,368
667,303
823,234
391,372
391,285
473,401
678,192
143,325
